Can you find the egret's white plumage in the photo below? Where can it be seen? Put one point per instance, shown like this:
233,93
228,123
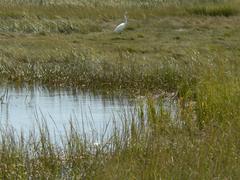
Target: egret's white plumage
121,26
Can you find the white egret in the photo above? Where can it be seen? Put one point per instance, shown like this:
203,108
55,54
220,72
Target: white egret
121,26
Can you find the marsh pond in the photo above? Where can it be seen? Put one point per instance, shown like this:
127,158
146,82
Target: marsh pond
27,108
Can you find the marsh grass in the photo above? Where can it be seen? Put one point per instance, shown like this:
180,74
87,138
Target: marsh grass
214,10
203,144
60,45
80,71
150,145
162,49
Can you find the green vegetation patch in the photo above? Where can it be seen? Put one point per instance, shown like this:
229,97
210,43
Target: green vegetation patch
190,50
214,10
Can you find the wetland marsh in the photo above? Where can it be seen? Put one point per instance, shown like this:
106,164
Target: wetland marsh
186,52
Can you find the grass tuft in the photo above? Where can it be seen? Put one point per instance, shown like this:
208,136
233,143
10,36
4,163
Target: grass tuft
213,10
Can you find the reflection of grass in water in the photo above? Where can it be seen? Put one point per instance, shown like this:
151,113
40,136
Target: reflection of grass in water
4,98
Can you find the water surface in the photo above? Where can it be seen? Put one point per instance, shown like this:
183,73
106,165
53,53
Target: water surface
24,107
91,112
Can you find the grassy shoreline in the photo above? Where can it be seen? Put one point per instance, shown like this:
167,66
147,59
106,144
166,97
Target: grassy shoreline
192,50
203,145
165,52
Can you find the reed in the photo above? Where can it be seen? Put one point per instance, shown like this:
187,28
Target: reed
201,143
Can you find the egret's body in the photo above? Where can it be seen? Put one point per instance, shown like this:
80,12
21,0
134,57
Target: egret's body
121,26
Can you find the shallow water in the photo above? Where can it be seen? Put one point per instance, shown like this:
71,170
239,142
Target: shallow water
23,108
92,113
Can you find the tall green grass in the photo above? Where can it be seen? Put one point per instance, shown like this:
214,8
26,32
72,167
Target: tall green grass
202,143
82,70
213,10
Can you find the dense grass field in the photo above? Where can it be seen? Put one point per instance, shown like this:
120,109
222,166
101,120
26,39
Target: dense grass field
189,48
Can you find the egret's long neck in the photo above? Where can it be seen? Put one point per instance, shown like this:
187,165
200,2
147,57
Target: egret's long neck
125,19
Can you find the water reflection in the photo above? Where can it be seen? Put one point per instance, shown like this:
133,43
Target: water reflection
21,107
